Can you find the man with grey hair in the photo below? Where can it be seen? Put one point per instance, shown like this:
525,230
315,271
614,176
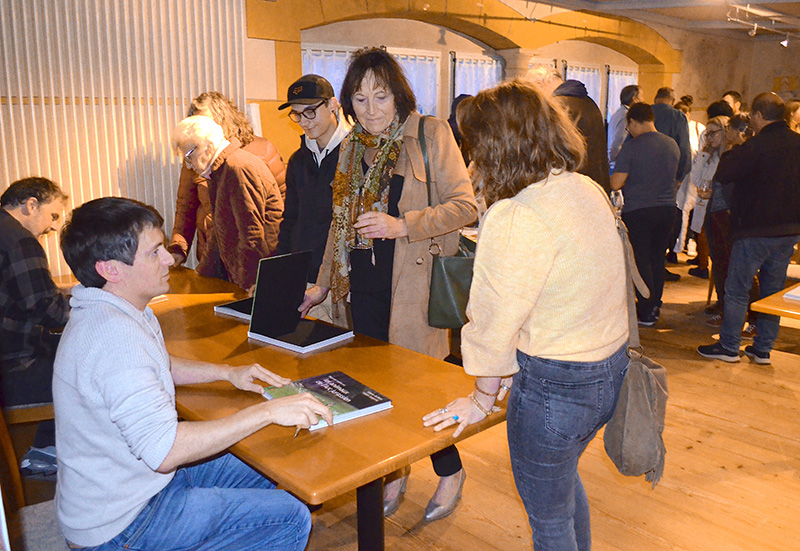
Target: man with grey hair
246,203
583,111
617,125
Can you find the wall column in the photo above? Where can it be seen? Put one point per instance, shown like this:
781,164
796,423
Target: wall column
517,61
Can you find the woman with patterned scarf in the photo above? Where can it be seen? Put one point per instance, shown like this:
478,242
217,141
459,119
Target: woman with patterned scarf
378,245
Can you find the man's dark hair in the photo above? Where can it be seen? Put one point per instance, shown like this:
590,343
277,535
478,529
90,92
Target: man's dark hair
740,123
627,94
41,189
641,112
719,108
387,72
105,229
737,97
665,92
770,105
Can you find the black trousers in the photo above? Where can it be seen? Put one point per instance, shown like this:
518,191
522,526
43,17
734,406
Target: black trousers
650,232
370,313
32,385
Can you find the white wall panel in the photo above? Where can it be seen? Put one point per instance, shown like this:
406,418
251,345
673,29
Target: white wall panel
90,91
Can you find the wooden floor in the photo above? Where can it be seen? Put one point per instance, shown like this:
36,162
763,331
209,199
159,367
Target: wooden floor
732,479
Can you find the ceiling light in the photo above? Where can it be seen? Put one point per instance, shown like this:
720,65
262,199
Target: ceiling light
754,30
785,42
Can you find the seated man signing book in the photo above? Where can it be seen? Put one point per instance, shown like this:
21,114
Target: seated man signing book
124,478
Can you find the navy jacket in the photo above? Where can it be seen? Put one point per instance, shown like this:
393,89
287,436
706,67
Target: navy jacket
308,208
765,174
674,124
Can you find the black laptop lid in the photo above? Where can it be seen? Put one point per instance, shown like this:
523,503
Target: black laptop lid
280,288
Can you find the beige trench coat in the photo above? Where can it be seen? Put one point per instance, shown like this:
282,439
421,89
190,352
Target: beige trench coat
453,207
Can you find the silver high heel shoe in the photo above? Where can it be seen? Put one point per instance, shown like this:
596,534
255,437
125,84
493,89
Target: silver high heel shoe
435,511
391,505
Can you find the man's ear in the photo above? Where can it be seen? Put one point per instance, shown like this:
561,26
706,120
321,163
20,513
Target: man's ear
108,270
30,206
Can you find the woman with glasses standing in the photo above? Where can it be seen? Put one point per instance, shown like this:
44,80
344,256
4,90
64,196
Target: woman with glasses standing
379,243
193,208
309,176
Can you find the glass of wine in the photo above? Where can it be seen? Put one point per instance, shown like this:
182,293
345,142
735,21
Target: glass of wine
357,208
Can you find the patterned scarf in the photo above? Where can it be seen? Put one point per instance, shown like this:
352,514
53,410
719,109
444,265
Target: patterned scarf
349,182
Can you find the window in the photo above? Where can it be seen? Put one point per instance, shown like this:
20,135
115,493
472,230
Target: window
617,80
473,74
591,77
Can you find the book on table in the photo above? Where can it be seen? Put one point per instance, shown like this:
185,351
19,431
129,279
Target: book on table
273,315
346,397
240,309
793,294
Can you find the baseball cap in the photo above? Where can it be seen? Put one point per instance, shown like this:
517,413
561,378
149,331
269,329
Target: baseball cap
308,89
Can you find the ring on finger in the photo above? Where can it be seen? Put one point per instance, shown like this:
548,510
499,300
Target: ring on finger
455,418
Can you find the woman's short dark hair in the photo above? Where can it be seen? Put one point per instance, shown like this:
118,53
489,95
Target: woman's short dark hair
641,112
105,229
387,72
719,108
41,189
740,123
516,135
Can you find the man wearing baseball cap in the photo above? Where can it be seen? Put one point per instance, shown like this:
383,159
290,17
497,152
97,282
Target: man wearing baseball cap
309,174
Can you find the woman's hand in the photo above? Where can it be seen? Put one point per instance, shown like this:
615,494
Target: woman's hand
460,412
313,296
378,225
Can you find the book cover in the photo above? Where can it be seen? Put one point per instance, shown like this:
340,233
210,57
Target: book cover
309,335
793,294
346,397
240,309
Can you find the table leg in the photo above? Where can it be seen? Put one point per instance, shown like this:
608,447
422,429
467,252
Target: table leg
369,502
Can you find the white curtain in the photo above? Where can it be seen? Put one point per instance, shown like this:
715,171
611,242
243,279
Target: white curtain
90,91
329,63
617,80
475,74
591,77
421,68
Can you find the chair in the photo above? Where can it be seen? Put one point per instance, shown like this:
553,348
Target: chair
36,528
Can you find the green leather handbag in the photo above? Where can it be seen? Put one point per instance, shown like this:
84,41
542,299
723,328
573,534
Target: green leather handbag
451,276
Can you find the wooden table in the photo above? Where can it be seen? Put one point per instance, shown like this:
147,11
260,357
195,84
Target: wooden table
315,466
777,305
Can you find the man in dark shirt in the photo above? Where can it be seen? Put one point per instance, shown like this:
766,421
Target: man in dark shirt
30,305
765,225
309,175
646,167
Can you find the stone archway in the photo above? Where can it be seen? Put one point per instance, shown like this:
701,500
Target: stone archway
491,21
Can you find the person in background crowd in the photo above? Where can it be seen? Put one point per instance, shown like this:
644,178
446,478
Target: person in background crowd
309,176
687,195
617,126
719,108
246,204
193,220
30,306
718,229
548,239
584,113
647,169
793,114
379,245
451,120
765,221
734,99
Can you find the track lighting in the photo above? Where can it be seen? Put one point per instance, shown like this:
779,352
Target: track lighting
785,42
754,30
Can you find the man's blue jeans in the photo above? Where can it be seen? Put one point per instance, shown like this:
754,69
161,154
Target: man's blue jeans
768,257
220,504
554,410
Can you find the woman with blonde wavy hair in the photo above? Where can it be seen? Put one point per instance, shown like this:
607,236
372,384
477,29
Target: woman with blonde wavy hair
547,306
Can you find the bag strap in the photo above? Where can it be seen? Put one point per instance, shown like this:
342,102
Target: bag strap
424,147
632,277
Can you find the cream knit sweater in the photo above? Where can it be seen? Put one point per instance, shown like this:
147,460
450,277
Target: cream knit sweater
549,279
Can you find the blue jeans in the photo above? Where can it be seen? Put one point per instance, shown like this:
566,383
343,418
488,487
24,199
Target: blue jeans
219,504
768,257
554,411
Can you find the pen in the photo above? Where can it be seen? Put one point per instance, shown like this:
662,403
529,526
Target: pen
296,432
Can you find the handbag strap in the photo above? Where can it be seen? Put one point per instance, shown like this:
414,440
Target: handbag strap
632,277
424,147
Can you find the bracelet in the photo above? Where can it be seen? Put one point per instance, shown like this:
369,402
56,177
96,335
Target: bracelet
478,389
486,412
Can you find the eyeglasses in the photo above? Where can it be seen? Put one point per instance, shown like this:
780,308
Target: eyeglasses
189,154
309,113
